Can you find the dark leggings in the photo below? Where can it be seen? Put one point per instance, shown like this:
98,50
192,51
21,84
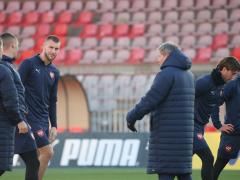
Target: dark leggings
31,161
207,163
171,177
2,172
218,167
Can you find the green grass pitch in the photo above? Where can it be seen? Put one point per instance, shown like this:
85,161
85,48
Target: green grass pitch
106,174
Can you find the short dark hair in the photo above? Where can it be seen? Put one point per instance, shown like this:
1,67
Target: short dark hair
7,38
230,63
53,38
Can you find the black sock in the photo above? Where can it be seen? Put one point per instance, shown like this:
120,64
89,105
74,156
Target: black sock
207,163
218,167
32,164
2,172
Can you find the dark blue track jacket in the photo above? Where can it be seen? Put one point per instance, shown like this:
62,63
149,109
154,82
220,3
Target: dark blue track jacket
41,83
231,96
207,97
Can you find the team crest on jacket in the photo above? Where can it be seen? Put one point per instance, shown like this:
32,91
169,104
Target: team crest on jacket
199,136
52,75
228,148
40,133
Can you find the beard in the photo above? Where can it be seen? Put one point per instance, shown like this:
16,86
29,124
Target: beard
48,57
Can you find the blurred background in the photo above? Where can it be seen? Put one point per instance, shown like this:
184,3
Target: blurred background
108,54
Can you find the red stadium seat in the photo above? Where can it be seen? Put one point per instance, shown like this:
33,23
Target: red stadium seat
3,17
137,30
220,40
236,52
59,60
14,18
137,56
85,17
89,30
121,30
48,17
203,55
65,17
73,56
24,55
43,30
39,43
31,18
60,29
105,30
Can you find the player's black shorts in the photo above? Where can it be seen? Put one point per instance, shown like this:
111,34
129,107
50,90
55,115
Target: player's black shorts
41,137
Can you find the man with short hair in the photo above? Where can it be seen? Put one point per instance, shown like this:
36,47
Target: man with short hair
9,116
207,95
170,101
25,144
229,145
40,78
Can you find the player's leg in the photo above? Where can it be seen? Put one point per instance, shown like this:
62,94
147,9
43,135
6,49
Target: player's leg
1,172
219,166
45,154
166,177
207,163
184,177
228,149
201,148
45,151
31,161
